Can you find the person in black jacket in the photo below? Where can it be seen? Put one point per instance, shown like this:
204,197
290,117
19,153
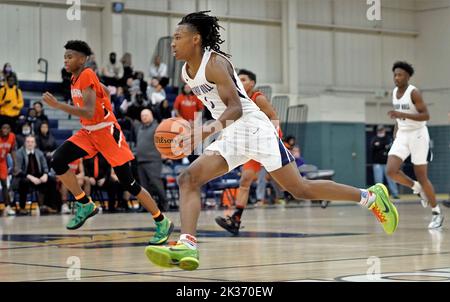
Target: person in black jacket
46,142
380,146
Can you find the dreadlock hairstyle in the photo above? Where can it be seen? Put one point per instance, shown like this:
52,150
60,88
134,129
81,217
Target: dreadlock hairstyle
208,28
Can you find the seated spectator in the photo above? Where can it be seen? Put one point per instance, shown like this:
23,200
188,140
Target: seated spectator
155,92
32,174
289,142
165,111
25,131
127,68
187,104
78,169
139,77
112,72
5,72
117,100
65,84
40,115
92,64
11,102
135,108
7,146
31,119
296,152
46,142
158,69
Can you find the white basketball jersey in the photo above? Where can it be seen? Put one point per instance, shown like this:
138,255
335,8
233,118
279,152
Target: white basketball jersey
209,95
405,104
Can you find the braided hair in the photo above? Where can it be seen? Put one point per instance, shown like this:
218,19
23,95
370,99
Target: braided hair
208,28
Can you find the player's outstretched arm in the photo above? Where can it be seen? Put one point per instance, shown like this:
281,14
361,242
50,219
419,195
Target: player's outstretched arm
87,111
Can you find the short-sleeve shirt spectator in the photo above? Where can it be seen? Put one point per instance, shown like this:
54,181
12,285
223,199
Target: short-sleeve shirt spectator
7,144
103,108
187,105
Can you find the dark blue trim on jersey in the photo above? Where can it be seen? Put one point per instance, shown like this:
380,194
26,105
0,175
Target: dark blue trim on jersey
237,88
286,156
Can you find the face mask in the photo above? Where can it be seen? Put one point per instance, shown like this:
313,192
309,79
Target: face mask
112,60
8,69
26,131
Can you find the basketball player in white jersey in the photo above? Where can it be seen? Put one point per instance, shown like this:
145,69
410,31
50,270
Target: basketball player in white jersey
411,138
247,134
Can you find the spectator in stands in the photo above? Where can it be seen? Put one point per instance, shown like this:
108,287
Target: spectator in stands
289,142
113,71
149,159
126,124
187,104
31,119
135,108
117,100
158,69
5,72
11,102
139,77
155,86
78,169
40,115
127,68
46,142
65,84
296,152
92,64
7,146
25,131
165,110
32,174
380,145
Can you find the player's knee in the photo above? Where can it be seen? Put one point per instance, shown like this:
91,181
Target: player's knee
391,172
187,178
127,180
302,191
59,163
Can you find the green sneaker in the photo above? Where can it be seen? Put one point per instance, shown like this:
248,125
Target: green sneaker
163,230
383,209
171,256
83,212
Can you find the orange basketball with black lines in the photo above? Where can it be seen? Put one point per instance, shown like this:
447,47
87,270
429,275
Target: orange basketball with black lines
170,136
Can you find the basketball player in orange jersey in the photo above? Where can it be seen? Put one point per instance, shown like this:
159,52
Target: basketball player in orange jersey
247,133
100,133
7,146
251,168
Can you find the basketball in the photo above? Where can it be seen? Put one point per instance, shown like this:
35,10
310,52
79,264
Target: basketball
170,136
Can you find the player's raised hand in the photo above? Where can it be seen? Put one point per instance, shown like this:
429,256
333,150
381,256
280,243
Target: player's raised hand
50,100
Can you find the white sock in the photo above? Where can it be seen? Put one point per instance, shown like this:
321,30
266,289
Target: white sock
416,187
189,241
436,209
367,198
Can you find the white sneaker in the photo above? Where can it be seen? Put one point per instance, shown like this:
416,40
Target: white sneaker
65,209
436,221
9,211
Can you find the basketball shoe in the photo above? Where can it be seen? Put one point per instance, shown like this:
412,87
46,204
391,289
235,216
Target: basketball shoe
83,212
172,256
383,209
163,230
229,223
